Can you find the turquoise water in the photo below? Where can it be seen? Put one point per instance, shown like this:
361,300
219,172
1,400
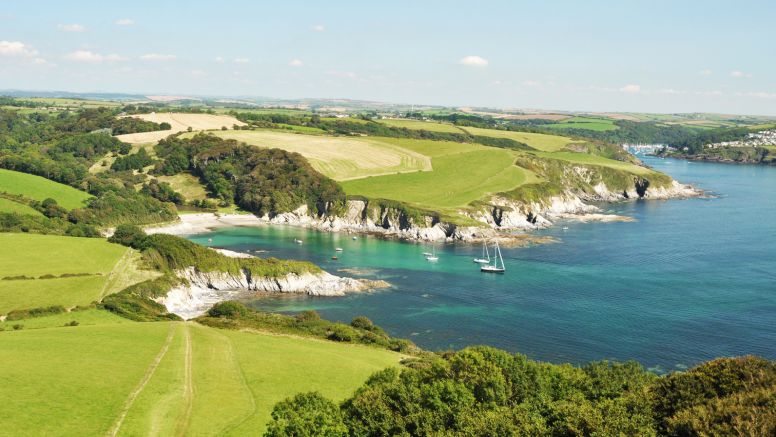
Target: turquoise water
689,280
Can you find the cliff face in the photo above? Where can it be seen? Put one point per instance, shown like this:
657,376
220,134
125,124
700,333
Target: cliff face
502,212
200,290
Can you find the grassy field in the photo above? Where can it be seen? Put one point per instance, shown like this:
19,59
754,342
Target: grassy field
180,122
547,143
165,378
186,184
72,103
110,268
340,158
38,188
487,170
586,158
418,125
20,208
594,124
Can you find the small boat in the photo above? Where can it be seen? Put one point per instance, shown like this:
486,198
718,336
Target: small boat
565,228
427,254
485,259
494,268
339,249
334,258
209,240
355,238
297,241
432,256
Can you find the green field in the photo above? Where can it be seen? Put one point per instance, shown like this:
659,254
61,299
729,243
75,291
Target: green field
109,268
186,184
424,125
38,188
594,124
20,208
340,158
547,143
173,378
586,158
486,169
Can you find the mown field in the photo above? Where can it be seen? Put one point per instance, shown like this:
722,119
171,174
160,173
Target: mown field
102,268
419,124
19,208
180,122
340,158
39,188
167,378
547,143
588,123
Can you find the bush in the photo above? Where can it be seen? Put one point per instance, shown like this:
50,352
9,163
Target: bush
306,415
18,326
229,309
308,316
72,323
35,312
343,333
129,235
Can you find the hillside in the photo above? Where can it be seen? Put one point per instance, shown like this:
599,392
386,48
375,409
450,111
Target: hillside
39,188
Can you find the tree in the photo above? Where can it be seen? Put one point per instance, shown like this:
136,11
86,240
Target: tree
129,235
306,415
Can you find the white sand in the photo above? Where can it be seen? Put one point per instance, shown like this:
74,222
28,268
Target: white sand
199,223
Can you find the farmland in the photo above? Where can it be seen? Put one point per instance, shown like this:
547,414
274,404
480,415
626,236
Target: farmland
180,122
19,208
340,158
424,125
65,271
165,378
39,188
547,143
594,124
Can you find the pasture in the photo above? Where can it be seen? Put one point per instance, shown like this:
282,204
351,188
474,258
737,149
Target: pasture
587,123
340,158
180,122
65,271
588,159
421,125
186,184
544,142
166,378
39,188
7,205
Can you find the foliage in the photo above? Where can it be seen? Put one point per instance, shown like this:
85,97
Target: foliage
163,192
14,222
35,312
306,415
136,302
135,161
129,235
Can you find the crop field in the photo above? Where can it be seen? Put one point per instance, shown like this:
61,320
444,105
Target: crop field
547,143
168,378
424,125
19,208
101,267
594,124
180,122
340,158
39,188
487,170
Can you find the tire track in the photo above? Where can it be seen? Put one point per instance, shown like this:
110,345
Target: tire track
243,382
114,430
188,386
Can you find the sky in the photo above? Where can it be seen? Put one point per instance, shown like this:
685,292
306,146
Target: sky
634,56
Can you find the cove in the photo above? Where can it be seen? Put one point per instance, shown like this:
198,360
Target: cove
687,281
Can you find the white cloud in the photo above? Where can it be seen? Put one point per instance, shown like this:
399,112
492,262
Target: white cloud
198,73
157,57
16,48
473,61
71,28
705,72
296,63
125,22
241,60
631,89
708,93
40,61
531,83
219,59
740,74
762,95
318,28
672,91
87,56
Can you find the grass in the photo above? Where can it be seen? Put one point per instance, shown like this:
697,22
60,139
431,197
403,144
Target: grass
186,184
586,158
37,255
7,205
39,188
85,317
340,158
544,142
487,170
424,125
594,124
78,380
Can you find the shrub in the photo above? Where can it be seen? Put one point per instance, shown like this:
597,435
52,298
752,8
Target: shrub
308,316
72,323
129,235
229,309
306,415
340,332
18,326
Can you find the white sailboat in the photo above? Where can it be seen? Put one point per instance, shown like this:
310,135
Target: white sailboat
485,259
495,268
431,256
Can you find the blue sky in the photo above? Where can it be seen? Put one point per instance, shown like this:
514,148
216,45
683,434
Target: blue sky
652,56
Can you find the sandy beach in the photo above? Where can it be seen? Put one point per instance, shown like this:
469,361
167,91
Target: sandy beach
203,222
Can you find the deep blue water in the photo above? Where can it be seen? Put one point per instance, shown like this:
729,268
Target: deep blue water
688,281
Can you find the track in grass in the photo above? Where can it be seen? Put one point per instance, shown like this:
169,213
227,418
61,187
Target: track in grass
39,188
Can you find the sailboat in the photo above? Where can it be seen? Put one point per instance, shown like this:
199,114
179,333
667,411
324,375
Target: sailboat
494,268
431,256
485,259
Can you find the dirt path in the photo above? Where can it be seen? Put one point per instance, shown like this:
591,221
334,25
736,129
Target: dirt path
114,430
188,386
